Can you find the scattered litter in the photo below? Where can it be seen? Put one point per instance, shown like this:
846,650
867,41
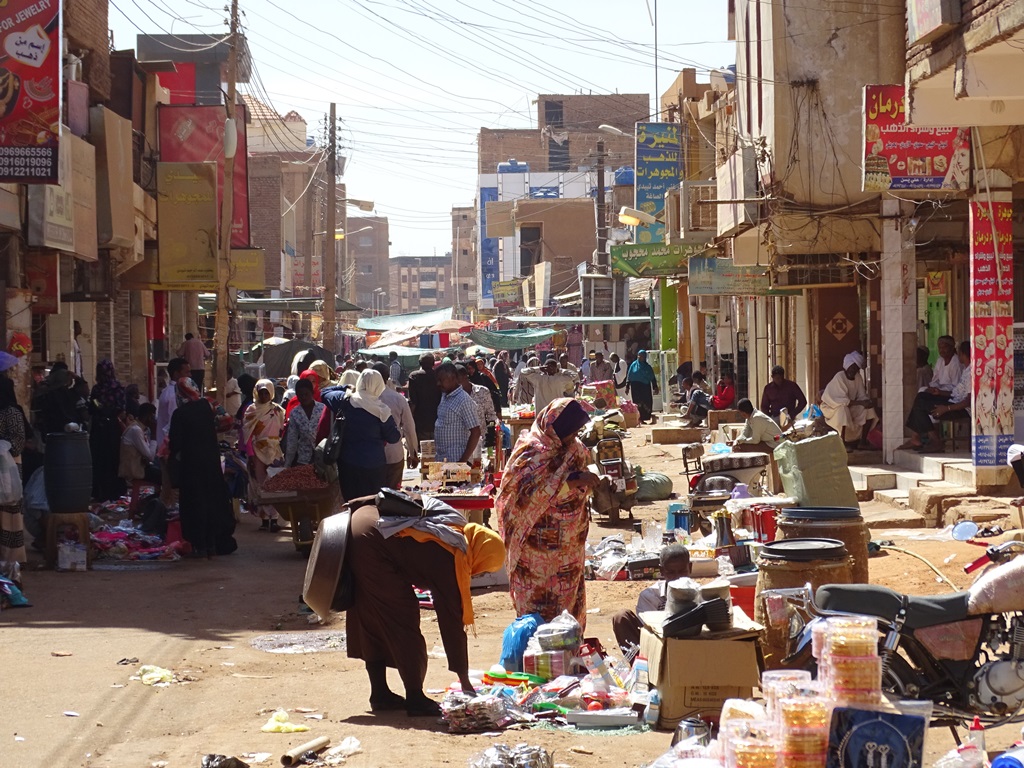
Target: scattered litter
99,725
227,663
150,674
19,738
336,755
581,751
60,654
950,559
593,610
300,642
117,685
279,723
252,677
69,713
314,717
159,764
224,648
220,761
303,710
257,757
437,652
307,753
125,662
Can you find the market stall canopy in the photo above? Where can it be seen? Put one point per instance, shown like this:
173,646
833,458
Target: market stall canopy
515,339
530,320
208,304
278,353
451,326
398,336
393,322
408,355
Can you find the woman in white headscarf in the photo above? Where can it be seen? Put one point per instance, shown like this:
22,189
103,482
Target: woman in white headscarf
362,466
262,426
845,402
349,378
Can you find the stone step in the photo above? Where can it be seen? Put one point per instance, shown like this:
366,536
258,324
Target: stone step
929,464
872,478
959,473
907,480
894,498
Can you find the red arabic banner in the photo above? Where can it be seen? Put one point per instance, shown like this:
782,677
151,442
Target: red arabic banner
991,229
902,156
195,134
30,87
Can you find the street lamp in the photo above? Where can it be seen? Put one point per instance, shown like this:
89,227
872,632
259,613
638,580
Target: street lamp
613,131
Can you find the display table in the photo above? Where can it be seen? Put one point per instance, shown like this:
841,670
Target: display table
517,425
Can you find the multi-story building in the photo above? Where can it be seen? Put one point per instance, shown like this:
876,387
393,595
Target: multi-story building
420,283
369,249
464,260
555,160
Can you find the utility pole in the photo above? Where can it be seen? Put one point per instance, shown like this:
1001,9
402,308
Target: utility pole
222,327
602,214
330,328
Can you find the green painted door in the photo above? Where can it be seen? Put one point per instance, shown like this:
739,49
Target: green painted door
938,324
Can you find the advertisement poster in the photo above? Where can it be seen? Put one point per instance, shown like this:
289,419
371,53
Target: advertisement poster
186,203
659,167
650,259
508,294
195,134
991,228
298,264
30,88
488,250
901,156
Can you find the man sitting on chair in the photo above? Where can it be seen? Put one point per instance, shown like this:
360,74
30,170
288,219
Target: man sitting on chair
845,402
928,408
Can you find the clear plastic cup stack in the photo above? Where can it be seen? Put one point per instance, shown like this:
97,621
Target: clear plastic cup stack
752,744
849,665
803,727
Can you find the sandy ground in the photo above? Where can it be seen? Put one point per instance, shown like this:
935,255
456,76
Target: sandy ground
199,619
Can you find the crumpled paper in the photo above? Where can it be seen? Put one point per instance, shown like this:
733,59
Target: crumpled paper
279,723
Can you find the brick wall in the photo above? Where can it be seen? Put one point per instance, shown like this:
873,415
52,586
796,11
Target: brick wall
586,112
265,188
86,27
121,317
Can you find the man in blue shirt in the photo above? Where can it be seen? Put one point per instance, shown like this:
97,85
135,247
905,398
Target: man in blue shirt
457,429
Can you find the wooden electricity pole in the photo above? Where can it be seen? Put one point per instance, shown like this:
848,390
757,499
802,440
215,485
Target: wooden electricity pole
222,328
329,333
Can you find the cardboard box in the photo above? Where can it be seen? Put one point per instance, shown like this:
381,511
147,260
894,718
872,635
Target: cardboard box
675,434
695,677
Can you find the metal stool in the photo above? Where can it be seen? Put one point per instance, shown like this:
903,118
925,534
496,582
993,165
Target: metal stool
77,520
693,452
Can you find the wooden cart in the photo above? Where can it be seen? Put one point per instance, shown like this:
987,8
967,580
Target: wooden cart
304,510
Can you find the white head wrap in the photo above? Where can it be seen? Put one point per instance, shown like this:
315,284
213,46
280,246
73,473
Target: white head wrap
854,358
367,396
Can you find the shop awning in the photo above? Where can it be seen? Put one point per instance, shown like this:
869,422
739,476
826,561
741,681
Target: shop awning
208,304
515,339
394,322
530,320
405,354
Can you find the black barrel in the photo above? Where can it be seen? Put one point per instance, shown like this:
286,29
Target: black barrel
68,472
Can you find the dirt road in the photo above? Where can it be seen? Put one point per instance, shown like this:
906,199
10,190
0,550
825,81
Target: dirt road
199,619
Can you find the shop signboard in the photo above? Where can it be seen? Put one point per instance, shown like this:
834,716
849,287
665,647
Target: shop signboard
30,90
659,168
186,204
298,272
195,134
928,19
902,156
991,231
51,209
488,250
508,294
714,276
650,259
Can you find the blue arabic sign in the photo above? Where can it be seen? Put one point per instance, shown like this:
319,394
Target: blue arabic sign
659,167
488,246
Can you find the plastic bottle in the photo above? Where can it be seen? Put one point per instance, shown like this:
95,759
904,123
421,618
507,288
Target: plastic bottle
976,734
653,708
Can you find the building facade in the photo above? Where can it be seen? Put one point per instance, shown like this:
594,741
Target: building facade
464,259
420,283
369,249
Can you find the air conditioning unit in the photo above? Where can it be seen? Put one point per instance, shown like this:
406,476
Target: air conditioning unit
699,218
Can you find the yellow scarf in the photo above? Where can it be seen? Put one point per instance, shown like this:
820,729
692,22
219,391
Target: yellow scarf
485,552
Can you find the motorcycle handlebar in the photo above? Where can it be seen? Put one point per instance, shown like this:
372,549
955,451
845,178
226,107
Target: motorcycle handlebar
983,560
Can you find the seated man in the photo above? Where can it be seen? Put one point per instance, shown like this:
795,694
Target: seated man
927,407
781,394
675,564
945,378
701,402
760,435
686,386
845,403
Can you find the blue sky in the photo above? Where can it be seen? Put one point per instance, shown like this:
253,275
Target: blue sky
414,80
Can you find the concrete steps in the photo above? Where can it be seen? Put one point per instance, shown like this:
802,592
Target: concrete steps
917,482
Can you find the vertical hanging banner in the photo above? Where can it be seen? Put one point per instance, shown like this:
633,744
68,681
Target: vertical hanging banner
991,226
659,168
186,203
30,87
195,134
488,250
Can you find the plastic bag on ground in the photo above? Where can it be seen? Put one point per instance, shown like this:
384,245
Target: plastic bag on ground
279,723
515,638
151,674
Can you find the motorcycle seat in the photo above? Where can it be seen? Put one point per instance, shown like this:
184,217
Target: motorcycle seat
869,600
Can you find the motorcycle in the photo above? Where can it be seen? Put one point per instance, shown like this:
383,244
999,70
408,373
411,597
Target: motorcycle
963,651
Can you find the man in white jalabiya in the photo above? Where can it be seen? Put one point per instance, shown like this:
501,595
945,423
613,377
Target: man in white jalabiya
845,402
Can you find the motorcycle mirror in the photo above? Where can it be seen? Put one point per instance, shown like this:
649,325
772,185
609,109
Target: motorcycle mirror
965,530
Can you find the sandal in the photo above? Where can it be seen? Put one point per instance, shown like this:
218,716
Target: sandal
423,708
